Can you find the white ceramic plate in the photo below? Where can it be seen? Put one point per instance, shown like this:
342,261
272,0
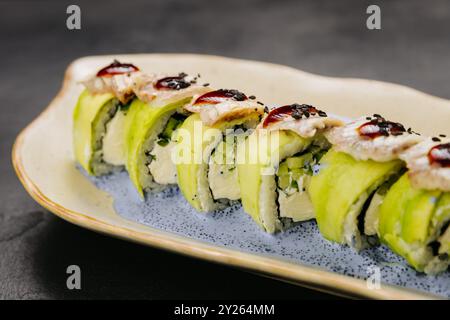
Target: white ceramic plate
44,162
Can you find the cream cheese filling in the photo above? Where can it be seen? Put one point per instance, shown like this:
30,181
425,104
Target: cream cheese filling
162,168
114,140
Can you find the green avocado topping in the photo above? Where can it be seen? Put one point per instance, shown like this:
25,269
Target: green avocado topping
339,184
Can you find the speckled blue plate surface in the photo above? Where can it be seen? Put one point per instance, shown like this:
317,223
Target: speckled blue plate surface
233,228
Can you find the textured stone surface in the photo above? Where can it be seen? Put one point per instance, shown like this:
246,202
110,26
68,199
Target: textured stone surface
325,37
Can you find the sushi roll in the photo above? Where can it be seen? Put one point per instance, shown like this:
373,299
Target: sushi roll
354,176
276,162
99,117
414,217
207,141
152,121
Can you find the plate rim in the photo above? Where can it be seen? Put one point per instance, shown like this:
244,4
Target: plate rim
303,275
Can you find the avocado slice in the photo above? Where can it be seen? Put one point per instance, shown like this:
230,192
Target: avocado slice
257,162
339,187
88,114
297,162
441,219
405,220
143,125
191,146
417,215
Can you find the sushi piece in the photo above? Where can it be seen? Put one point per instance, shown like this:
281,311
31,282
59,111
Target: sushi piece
150,127
354,176
414,217
276,162
207,141
99,117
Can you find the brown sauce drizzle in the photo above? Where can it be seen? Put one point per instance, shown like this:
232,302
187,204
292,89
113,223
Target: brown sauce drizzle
172,83
440,154
379,126
116,68
296,111
218,96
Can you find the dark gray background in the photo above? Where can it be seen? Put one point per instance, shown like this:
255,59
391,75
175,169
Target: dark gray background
325,37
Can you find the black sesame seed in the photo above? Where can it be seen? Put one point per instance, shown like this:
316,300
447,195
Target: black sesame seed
297,114
259,102
266,110
368,118
232,94
436,139
252,97
442,135
206,84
